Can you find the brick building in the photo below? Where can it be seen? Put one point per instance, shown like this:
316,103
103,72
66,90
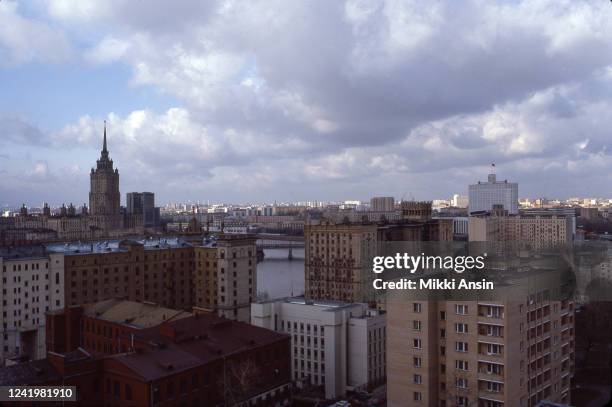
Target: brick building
198,360
218,274
160,273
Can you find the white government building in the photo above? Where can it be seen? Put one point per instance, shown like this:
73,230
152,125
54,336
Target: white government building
483,195
338,345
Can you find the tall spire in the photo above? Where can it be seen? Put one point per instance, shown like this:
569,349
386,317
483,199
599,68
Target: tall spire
104,144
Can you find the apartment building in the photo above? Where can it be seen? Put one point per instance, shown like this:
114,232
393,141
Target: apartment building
338,255
336,346
225,276
158,271
480,353
537,231
32,284
382,204
335,258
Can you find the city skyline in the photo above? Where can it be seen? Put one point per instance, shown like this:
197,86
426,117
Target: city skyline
206,105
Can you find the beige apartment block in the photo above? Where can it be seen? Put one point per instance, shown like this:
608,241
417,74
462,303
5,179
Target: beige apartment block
225,279
479,353
32,284
538,231
338,254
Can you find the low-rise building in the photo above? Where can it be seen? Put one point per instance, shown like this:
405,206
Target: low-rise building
199,360
337,346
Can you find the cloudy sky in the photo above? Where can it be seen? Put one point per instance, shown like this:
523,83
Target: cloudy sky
250,101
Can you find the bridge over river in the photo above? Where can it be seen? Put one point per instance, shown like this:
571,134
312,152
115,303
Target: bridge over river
273,241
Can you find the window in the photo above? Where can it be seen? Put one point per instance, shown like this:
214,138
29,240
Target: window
461,365
494,312
461,346
128,392
493,349
442,315
461,328
493,368
461,309
417,396
462,401
461,383
494,387
416,325
417,361
416,343
494,330
416,307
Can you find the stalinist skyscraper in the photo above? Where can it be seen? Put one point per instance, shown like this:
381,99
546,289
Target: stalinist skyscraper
104,196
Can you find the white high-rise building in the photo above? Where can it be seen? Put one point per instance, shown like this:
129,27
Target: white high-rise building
483,195
459,201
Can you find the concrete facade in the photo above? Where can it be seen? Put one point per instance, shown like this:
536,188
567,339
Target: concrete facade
31,285
483,195
477,353
336,346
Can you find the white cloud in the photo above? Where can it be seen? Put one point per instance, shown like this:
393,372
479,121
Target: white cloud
108,50
352,95
25,40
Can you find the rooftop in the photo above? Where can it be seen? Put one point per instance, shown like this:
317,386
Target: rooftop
136,314
187,342
23,252
106,246
30,373
324,305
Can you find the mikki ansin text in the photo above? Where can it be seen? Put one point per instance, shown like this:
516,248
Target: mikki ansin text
411,264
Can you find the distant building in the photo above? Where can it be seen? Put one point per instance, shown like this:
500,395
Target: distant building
460,227
569,213
382,204
336,346
459,201
104,196
143,203
538,231
483,195
589,213
338,253
105,218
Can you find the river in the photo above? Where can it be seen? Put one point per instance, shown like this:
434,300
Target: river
278,277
